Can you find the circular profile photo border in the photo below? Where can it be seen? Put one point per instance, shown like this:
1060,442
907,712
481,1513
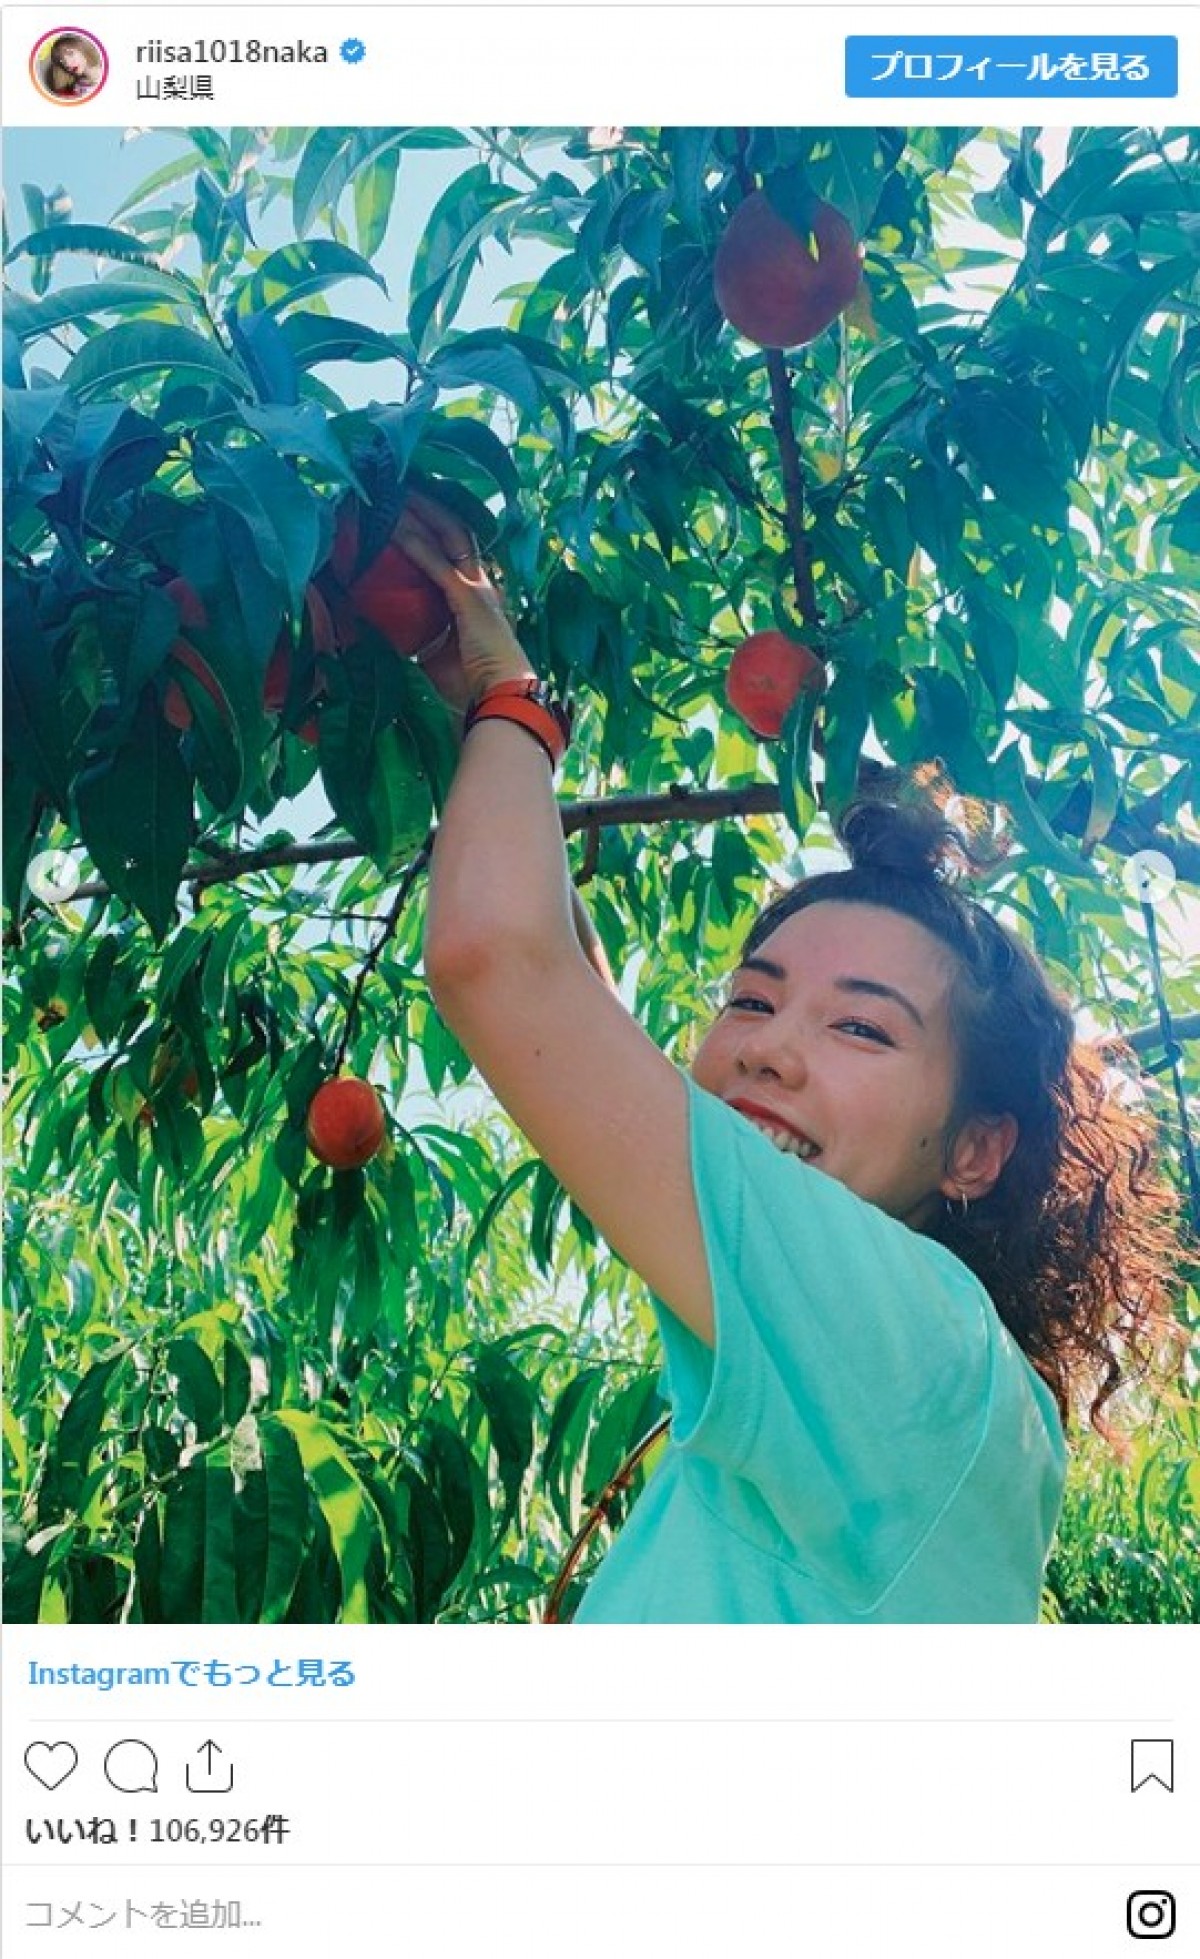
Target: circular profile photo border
45,41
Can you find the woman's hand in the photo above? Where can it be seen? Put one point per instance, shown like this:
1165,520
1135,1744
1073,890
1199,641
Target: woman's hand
478,648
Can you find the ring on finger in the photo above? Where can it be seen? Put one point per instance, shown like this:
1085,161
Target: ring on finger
433,646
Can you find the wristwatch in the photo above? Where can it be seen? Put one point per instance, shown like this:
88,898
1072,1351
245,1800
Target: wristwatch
533,705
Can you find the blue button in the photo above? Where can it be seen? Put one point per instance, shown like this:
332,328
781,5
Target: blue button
1055,65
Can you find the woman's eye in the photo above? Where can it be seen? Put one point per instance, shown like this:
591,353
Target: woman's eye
867,1028
747,1001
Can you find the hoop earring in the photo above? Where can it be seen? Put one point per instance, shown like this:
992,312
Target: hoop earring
964,1202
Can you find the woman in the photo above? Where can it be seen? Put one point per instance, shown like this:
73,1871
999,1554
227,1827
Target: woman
73,67
891,1222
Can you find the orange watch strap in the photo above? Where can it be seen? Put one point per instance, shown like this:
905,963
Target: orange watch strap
536,720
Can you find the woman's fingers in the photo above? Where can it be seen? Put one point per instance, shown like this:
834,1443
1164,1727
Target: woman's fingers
449,532
424,548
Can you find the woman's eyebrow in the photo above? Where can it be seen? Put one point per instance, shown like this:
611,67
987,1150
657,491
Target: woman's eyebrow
879,991
876,989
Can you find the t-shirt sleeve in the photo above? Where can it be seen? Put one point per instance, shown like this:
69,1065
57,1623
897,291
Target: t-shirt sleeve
851,1373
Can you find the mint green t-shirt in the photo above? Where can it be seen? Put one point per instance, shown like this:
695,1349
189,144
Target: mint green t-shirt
866,1441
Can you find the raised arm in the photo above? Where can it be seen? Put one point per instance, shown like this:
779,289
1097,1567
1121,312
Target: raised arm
506,963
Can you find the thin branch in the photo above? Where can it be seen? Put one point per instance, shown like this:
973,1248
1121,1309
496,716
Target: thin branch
679,804
1145,1040
785,436
403,892
793,486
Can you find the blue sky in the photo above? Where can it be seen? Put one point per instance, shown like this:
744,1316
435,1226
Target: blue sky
99,168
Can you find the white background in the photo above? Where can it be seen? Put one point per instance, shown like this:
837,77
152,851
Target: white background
934,1791
554,63
844,1791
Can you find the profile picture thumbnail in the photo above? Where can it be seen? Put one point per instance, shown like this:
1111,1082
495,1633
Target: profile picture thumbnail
68,66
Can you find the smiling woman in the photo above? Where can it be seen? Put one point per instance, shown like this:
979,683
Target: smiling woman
892,1229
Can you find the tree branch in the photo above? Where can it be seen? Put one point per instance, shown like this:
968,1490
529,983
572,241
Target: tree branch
1144,1040
679,804
793,487
373,957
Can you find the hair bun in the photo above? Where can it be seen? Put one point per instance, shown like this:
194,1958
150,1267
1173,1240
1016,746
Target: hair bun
914,823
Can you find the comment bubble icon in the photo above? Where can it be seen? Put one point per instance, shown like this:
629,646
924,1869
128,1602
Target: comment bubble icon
132,1767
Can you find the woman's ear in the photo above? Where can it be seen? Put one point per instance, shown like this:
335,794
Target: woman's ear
979,1153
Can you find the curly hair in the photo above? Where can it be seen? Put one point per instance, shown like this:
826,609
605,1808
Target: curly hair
1076,1240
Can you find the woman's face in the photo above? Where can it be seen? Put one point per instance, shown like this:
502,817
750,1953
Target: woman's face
73,60
838,1026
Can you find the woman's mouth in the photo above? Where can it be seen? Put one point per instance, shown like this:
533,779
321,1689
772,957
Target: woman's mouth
784,1137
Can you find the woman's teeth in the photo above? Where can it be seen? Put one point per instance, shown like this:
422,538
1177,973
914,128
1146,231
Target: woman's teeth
784,1140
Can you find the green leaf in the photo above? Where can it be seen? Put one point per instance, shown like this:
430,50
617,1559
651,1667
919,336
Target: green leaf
464,436
344,1504
282,515
29,414
135,817
574,617
935,502
466,213
503,368
217,215
1039,839
846,167
78,1430
624,1423
30,319
199,1390
508,1189
22,810
97,240
1051,666
1106,790
324,169
794,763
219,1594
511,1404
287,1518
1185,525
1007,443
298,271
181,1567
374,195
847,717
147,1562
33,724
945,728
562,1463
460,1490
317,337
170,173
261,345
993,641
387,752
130,353
1127,320
887,526
690,150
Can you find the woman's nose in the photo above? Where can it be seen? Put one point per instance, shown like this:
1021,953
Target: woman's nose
773,1047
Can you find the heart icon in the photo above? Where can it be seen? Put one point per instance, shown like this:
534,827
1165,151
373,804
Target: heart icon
51,1762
